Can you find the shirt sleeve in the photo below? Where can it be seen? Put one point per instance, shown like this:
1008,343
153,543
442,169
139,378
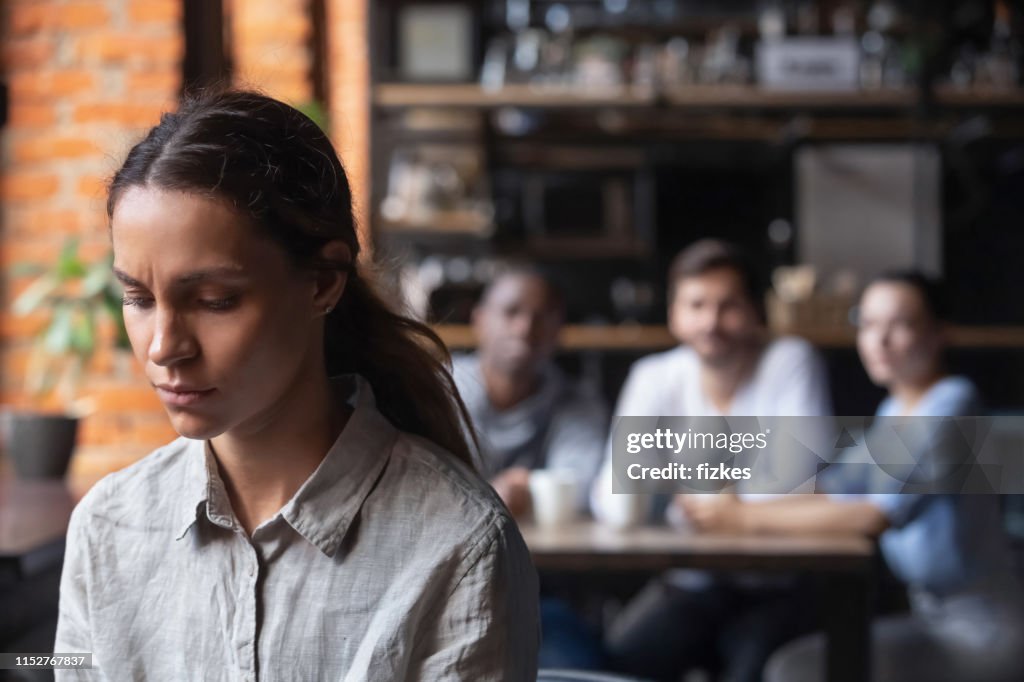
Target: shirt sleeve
576,443
74,629
489,627
936,446
802,374
899,510
638,397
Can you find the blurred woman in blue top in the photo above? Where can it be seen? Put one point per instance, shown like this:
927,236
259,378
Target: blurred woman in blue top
967,614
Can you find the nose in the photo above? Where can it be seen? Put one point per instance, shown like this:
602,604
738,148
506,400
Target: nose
711,318
524,325
885,336
172,341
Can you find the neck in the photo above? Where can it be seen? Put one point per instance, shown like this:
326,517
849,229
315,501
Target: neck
909,393
265,463
720,383
505,390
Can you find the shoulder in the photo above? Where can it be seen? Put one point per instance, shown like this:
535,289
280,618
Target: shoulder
468,379
445,519
678,359
427,487
465,364
952,396
786,353
577,397
144,492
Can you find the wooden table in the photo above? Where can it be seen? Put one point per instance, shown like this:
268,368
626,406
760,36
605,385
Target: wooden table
34,517
846,563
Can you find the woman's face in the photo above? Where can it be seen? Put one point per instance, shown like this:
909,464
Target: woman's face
898,340
211,305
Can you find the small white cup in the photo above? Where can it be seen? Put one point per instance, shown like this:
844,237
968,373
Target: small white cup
625,510
554,497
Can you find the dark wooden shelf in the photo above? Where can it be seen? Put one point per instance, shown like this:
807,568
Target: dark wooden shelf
397,95
656,337
754,97
444,222
471,95
981,98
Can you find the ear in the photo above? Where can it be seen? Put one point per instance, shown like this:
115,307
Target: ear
673,321
941,335
475,316
330,284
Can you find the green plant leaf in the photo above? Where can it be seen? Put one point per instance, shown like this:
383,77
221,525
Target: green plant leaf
83,332
317,113
35,294
95,280
58,337
114,307
69,265
72,292
45,380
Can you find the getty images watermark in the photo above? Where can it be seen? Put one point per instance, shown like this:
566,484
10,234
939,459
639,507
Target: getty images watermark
936,455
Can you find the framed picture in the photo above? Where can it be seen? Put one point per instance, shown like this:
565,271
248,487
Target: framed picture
435,42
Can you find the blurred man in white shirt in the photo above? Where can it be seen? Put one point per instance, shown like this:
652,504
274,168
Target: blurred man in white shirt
727,365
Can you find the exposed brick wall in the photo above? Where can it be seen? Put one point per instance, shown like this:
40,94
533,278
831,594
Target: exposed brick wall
271,46
349,94
86,78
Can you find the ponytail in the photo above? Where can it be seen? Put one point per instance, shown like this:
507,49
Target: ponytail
405,362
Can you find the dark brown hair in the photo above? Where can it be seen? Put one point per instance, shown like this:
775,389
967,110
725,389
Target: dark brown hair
706,255
527,270
277,168
930,289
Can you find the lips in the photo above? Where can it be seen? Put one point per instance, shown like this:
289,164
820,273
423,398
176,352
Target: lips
182,398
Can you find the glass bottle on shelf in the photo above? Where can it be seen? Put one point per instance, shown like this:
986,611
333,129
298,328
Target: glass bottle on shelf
771,21
881,64
1004,52
872,60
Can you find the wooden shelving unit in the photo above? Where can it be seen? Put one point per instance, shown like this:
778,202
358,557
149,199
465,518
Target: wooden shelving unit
988,98
471,95
754,97
444,222
561,133
656,337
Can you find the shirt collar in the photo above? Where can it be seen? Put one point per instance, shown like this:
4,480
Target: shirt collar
323,508
202,489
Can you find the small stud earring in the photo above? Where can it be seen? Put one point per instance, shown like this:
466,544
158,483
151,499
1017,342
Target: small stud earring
327,310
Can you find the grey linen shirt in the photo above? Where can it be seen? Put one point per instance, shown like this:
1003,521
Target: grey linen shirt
393,561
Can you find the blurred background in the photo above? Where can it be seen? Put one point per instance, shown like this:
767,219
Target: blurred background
833,139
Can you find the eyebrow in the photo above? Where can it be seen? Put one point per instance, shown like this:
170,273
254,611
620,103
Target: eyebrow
224,272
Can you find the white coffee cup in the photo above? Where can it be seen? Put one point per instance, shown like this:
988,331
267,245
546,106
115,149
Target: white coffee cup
554,497
625,510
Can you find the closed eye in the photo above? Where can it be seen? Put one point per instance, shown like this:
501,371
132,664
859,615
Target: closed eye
218,304
135,301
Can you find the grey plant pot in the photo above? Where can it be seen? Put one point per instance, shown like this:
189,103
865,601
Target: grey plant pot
39,445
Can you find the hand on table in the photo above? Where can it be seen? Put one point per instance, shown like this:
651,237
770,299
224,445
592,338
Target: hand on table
719,512
513,487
